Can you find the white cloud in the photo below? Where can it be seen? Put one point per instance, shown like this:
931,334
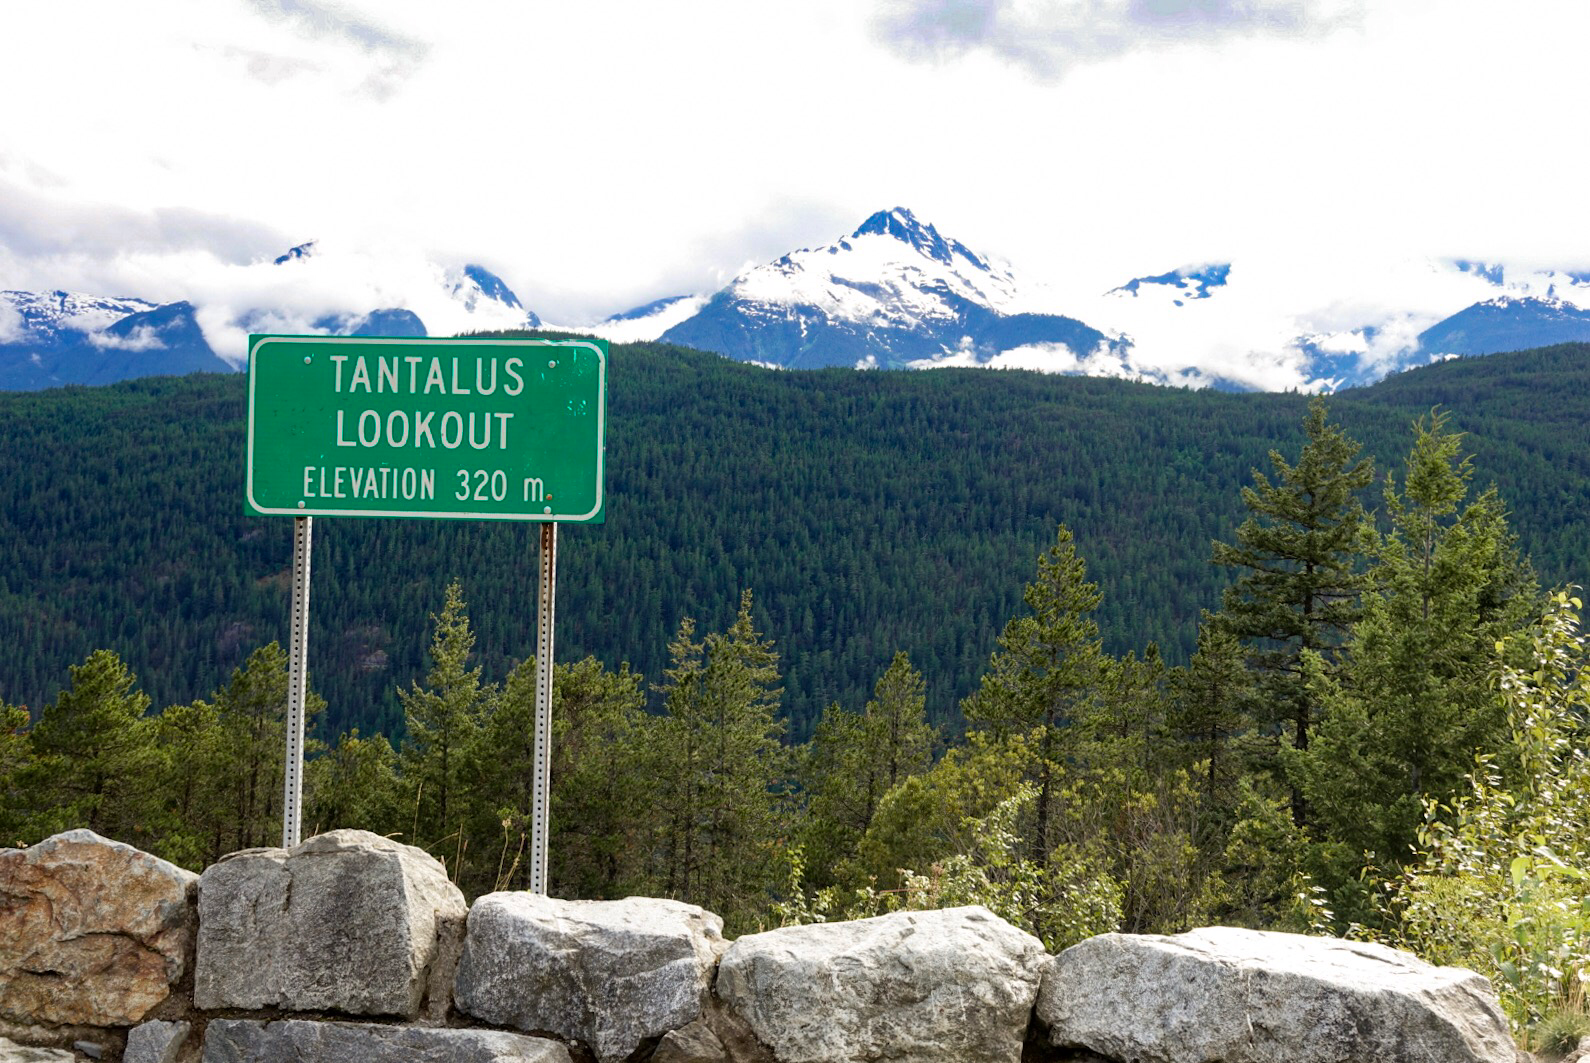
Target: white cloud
140,338
1049,36
1038,357
11,329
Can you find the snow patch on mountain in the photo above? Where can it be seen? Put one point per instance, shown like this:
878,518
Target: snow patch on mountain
46,314
1507,323
55,338
892,293
314,289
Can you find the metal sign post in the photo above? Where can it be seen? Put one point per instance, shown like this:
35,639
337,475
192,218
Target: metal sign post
453,429
542,792
297,683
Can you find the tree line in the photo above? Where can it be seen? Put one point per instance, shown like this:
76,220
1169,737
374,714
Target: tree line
1381,731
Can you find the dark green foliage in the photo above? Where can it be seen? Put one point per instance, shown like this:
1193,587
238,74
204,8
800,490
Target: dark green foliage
600,783
1415,701
354,784
16,758
854,759
601,778
1355,668
872,513
94,754
253,714
1212,703
717,764
194,786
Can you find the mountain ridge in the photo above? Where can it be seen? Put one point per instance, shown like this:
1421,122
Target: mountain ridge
58,338
892,293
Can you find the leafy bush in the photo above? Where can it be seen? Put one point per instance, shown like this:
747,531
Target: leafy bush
1501,883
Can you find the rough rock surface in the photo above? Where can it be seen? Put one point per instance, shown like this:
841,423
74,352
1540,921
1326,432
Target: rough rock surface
302,1041
609,974
1247,996
155,1042
955,985
11,1052
695,1043
347,921
92,931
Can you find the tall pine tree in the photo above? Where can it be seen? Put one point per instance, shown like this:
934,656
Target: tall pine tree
1049,663
443,717
1298,559
718,766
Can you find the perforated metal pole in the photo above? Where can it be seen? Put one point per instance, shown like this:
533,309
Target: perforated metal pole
541,797
297,672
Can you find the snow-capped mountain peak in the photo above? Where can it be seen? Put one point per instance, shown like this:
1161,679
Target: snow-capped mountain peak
901,224
894,293
892,272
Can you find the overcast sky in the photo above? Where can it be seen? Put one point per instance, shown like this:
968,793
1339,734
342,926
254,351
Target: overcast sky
598,154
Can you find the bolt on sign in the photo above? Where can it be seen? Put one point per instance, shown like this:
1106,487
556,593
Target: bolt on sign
455,429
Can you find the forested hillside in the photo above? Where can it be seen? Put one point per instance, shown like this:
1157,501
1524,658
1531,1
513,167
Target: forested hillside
1380,729
869,512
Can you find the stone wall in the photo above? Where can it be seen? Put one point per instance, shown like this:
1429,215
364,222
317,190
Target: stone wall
352,947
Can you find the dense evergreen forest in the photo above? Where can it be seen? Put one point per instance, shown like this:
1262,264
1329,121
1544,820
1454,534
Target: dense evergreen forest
870,514
1309,667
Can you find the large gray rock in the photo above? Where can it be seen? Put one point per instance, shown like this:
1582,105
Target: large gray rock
1247,996
92,932
348,921
955,985
609,974
301,1041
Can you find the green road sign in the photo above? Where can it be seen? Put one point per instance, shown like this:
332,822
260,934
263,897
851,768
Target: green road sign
342,426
